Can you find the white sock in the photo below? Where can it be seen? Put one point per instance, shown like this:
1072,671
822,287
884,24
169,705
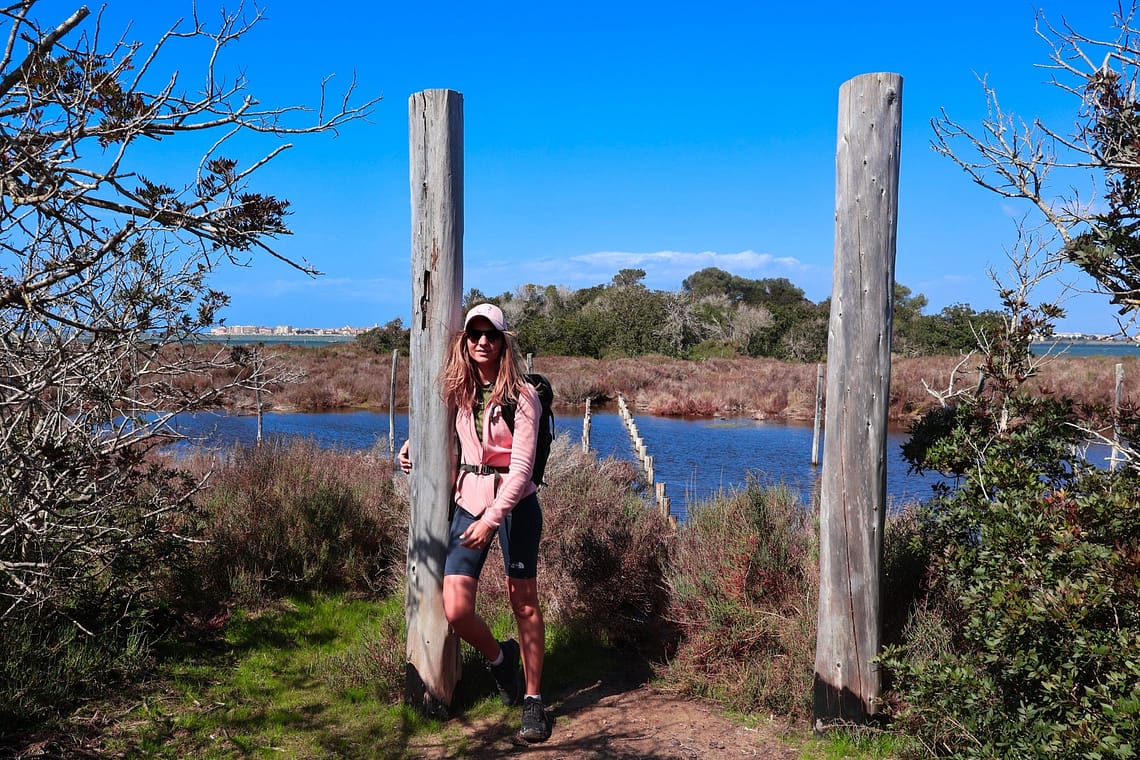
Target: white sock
499,660
534,696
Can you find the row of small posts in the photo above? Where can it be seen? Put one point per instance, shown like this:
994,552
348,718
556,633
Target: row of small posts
644,458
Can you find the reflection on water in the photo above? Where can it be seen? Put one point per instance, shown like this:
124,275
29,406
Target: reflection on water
695,458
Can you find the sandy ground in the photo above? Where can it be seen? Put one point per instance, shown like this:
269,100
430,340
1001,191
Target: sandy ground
616,719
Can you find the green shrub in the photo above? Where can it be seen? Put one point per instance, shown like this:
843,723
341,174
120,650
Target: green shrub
46,668
744,586
393,336
1029,644
83,540
714,349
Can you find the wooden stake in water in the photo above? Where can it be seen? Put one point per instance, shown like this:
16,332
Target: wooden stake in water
1117,398
392,405
818,406
586,428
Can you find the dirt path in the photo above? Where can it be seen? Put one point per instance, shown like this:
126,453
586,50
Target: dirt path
614,719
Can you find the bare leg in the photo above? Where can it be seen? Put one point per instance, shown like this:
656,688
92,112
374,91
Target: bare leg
532,629
459,607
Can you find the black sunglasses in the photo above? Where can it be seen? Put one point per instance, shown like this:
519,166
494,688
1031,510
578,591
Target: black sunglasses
474,335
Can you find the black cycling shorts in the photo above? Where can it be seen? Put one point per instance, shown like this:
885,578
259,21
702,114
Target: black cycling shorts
518,537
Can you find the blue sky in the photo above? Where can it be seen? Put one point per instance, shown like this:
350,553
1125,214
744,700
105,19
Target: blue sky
603,135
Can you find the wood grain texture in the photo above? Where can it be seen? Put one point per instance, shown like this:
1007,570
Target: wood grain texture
853,486
435,128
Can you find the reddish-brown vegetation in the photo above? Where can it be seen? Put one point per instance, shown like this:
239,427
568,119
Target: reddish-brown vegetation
346,376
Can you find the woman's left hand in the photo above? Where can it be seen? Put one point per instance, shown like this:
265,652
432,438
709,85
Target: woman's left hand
477,535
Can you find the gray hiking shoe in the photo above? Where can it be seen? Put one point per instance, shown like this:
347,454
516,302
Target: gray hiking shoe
507,674
535,722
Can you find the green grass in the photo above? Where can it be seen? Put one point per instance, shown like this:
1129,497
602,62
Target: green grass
296,681
856,744
311,677
302,680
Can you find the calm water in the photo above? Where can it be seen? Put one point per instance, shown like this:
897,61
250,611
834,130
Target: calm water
696,459
1090,348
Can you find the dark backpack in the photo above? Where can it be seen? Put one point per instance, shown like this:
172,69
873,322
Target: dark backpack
545,423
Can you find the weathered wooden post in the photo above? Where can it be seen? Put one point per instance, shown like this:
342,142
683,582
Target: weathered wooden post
392,405
586,428
853,487
435,127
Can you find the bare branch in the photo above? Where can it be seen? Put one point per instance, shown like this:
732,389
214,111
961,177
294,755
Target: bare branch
104,283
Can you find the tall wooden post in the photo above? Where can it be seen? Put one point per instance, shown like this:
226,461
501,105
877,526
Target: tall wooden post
853,490
435,127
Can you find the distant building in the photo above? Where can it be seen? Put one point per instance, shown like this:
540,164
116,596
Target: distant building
285,330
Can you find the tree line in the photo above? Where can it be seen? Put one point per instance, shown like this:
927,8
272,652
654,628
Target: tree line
715,314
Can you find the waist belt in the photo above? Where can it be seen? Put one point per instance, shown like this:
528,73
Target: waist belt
484,469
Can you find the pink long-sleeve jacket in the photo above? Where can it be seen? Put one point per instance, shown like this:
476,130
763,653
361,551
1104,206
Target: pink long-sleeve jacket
490,497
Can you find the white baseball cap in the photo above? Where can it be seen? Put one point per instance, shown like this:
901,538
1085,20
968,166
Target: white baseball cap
489,310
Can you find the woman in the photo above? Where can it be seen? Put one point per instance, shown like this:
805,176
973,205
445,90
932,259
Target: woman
494,494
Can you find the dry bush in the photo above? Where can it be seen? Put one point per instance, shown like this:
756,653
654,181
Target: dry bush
628,376
1089,379
289,516
335,377
744,585
911,377
574,379
605,562
668,402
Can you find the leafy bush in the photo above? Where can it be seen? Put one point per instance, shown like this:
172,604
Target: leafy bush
393,336
82,565
46,668
1029,645
714,349
744,588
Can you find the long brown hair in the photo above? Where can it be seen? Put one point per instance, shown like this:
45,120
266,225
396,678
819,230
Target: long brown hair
460,377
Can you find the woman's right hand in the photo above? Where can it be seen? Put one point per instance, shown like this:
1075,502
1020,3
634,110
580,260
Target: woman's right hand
404,458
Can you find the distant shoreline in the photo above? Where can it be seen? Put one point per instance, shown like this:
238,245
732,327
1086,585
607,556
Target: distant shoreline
275,340
1077,348
1088,347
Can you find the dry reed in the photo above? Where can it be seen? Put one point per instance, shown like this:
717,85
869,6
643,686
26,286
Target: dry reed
348,376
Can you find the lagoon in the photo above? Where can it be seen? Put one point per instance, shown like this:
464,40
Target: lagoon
1074,350
695,458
